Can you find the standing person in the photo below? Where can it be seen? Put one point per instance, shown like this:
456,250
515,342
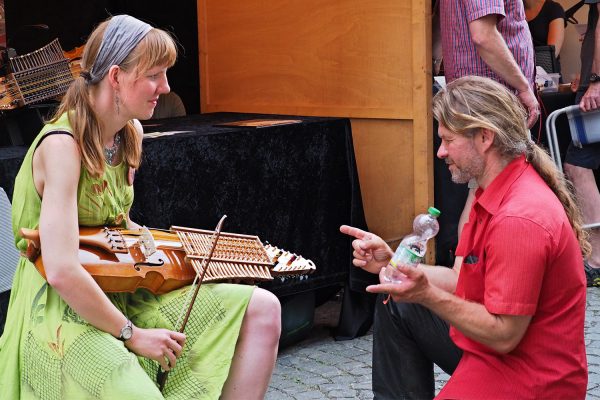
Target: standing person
490,38
517,288
64,337
580,162
546,21
485,38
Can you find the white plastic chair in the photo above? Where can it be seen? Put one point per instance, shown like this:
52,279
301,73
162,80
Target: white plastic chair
584,128
9,256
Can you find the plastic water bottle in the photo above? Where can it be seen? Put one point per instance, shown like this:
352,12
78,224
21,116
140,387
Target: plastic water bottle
413,247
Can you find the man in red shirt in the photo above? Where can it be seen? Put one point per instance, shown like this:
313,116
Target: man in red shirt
515,299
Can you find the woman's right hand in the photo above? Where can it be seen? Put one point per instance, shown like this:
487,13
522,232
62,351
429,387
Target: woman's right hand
371,252
161,345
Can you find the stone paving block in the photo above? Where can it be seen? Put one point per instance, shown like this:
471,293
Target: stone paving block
290,385
345,379
362,385
342,394
274,394
354,352
331,359
350,366
314,394
363,371
309,379
330,387
365,394
322,370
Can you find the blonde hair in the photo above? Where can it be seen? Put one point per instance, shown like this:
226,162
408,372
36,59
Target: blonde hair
157,48
471,103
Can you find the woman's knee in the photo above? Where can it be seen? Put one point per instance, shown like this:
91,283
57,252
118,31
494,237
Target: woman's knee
264,312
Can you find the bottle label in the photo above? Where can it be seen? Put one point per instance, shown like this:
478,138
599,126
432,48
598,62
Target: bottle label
405,256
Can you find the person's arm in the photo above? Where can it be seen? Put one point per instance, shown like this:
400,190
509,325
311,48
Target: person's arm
372,253
499,332
591,99
556,34
59,236
492,48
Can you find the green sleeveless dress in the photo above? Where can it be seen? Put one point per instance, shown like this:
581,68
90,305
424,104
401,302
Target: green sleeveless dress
49,352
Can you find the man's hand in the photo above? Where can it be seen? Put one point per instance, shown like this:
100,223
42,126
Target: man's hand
414,287
532,106
591,99
371,252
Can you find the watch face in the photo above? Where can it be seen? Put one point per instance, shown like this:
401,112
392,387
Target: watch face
126,331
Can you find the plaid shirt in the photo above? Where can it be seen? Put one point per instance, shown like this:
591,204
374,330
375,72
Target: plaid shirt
460,55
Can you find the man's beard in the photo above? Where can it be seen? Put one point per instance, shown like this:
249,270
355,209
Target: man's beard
473,169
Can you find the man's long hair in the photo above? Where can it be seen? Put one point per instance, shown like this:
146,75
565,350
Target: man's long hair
157,48
472,103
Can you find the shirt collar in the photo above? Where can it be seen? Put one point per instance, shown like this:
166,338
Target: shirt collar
491,198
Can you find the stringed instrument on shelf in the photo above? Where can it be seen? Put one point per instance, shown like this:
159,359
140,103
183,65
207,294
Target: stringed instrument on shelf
37,76
123,260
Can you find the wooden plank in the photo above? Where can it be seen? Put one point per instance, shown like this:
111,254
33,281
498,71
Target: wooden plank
384,157
422,113
311,57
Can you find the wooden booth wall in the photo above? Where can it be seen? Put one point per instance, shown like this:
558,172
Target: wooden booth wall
368,60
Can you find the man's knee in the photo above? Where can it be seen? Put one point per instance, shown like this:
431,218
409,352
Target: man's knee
400,312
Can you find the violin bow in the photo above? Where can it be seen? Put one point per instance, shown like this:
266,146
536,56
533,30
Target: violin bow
161,376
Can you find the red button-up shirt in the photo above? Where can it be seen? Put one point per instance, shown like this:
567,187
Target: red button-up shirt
525,260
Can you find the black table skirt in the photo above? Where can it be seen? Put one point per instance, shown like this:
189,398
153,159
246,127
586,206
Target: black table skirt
292,185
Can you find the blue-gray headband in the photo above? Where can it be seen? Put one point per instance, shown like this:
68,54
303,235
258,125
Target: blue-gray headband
122,34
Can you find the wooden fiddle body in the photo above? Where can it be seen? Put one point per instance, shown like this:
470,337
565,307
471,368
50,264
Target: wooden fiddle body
122,260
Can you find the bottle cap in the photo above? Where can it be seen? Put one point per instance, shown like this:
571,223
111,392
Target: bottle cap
434,211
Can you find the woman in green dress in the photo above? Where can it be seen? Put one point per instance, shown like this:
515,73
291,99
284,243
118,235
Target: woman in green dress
67,339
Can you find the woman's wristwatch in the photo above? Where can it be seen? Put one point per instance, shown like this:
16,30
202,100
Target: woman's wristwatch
126,331
594,78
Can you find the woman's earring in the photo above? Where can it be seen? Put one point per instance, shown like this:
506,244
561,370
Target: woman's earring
117,101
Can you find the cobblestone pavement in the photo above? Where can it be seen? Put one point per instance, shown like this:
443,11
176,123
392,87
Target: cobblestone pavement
320,368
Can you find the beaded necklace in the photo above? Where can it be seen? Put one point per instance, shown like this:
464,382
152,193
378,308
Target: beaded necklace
111,152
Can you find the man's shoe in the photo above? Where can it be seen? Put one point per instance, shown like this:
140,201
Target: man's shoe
592,275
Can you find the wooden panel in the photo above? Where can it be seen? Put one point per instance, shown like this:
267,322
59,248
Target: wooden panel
311,57
422,127
384,157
